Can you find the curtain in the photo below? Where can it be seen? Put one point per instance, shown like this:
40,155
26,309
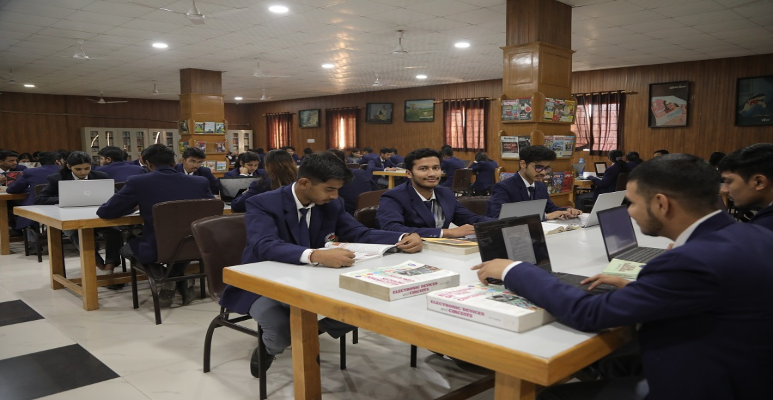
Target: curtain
598,121
279,130
465,123
342,128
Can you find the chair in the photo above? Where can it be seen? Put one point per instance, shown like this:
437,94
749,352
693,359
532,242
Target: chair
367,216
368,199
498,174
174,241
353,165
462,181
38,231
221,240
476,204
622,180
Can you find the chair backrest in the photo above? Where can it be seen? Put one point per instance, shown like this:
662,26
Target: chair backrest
368,199
353,165
221,240
498,173
367,216
119,186
462,178
622,180
172,222
476,204
363,166
39,188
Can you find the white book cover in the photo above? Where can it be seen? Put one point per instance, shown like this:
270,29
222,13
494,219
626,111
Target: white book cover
491,305
408,279
362,251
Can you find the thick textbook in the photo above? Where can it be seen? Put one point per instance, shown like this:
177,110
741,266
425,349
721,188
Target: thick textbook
623,269
408,279
454,246
491,305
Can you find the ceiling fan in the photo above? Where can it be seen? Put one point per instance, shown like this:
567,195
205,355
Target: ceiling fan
80,54
401,51
155,91
102,100
11,80
193,14
258,73
377,83
261,98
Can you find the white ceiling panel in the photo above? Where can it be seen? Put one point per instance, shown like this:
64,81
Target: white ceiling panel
442,8
401,16
362,8
691,8
41,10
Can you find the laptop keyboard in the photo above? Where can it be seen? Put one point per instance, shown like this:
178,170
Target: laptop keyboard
574,280
641,254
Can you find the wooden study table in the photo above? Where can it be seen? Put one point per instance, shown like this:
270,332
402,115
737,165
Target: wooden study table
521,361
400,173
5,246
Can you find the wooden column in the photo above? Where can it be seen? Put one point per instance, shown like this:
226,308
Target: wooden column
201,100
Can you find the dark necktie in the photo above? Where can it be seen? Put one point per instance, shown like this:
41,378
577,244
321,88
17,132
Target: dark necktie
437,212
531,192
303,228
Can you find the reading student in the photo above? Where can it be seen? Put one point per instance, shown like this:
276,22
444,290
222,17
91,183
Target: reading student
191,163
703,306
287,225
747,177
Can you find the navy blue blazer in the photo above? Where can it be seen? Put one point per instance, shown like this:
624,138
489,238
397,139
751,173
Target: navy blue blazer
449,166
631,165
30,178
362,182
146,190
608,182
376,164
512,190
50,194
234,173
365,158
272,235
485,175
397,159
214,186
239,204
120,171
704,307
17,168
402,210
763,217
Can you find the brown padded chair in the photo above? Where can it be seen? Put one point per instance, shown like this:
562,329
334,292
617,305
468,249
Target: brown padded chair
353,165
476,204
367,216
622,181
498,174
174,240
462,181
38,231
369,199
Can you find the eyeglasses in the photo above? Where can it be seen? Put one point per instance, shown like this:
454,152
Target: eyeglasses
539,168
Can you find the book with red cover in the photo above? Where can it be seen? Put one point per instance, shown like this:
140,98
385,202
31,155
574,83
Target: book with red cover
568,182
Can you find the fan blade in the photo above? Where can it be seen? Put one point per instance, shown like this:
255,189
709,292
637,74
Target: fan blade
197,19
113,102
228,12
156,8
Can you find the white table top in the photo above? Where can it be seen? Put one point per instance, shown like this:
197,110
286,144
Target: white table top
68,214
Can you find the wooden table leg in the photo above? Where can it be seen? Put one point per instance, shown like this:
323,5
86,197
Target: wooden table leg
305,340
88,269
55,256
391,182
507,387
5,245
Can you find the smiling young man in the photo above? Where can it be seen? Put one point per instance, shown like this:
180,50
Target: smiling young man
747,178
191,163
703,306
9,162
527,185
420,205
288,225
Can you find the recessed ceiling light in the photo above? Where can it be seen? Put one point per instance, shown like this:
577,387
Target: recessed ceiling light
421,76
160,45
29,85
328,65
462,45
278,9
238,98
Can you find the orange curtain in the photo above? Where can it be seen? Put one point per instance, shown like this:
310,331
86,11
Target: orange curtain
598,121
342,128
465,123
279,130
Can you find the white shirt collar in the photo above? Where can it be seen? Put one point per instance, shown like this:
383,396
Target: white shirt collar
682,238
525,182
422,197
298,204
2,171
75,178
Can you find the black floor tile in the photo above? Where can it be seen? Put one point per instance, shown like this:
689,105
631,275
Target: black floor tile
16,311
52,371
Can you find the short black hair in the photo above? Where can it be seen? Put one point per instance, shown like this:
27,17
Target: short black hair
755,159
308,150
633,156
64,153
112,152
25,155
445,146
716,157
75,158
324,166
418,154
191,152
159,155
259,150
394,150
368,149
385,150
8,153
247,156
447,152
536,153
340,154
662,151
481,156
685,177
48,157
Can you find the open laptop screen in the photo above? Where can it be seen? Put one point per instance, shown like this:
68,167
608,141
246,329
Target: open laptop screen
517,239
617,231
84,193
230,188
601,167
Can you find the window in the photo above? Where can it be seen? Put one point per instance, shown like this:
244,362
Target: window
465,123
597,121
279,130
341,128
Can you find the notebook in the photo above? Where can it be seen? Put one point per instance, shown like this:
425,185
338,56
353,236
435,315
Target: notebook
231,188
605,201
522,239
93,192
620,238
601,167
523,208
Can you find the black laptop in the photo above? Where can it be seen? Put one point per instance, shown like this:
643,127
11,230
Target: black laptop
620,238
600,167
231,188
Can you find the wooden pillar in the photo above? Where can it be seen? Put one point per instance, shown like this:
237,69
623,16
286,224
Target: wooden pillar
201,100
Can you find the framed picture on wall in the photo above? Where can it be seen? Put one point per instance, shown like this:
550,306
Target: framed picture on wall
379,113
754,101
309,118
668,104
420,110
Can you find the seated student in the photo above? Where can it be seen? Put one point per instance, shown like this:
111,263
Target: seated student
381,162
78,167
191,164
246,165
367,154
262,155
607,183
50,163
483,167
112,163
449,164
395,158
306,152
162,183
747,176
354,156
715,158
703,306
287,225
362,182
9,162
420,206
280,171
527,185
291,150
658,153
632,160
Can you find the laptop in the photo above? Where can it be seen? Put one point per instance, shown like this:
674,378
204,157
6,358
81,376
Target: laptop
601,167
578,169
620,238
92,192
231,188
603,202
523,208
522,239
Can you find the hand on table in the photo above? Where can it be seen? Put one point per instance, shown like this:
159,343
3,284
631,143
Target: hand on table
491,269
411,243
461,231
599,279
333,258
560,214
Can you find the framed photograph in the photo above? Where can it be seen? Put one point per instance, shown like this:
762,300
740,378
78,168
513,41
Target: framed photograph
668,104
420,110
754,104
378,113
309,118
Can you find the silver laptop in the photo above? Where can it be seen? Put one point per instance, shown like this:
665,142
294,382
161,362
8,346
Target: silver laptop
523,208
620,238
85,193
605,201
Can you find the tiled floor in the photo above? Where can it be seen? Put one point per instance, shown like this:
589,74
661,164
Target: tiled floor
50,346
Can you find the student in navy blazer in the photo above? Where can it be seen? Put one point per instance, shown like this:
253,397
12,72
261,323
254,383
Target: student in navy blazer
247,164
367,154
361,183
192,159
380,162
111,162
405,208
395,158
632,160
280,171
703,306
50,162
279,228
607,183
533,163
483,167
747,176
9,162
449,164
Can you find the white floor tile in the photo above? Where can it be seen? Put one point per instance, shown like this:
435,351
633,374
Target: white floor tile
114,389
30,337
